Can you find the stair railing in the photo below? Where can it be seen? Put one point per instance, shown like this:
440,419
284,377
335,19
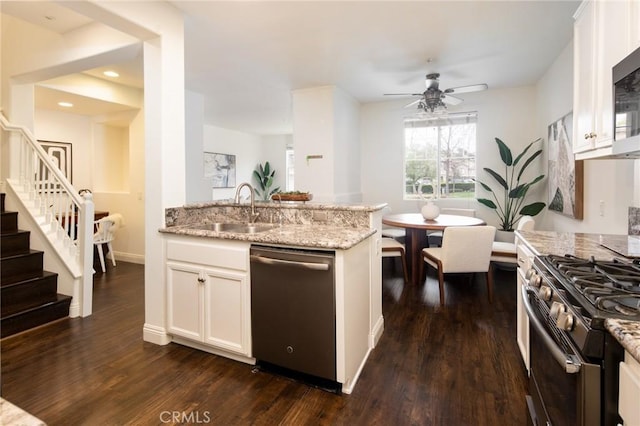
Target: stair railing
67,216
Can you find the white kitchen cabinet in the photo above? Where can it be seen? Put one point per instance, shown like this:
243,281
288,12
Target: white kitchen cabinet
208,293
629,388
602,37
525,258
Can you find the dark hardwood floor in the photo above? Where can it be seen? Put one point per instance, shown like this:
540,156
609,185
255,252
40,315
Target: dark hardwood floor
457,365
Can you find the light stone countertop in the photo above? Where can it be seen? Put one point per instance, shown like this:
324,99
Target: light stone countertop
627,333
312,236
561,243
585,246
307,205
13,415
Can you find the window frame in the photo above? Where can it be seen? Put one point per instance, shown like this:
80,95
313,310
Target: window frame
438,121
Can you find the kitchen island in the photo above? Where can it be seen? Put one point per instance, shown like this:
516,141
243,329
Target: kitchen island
208,273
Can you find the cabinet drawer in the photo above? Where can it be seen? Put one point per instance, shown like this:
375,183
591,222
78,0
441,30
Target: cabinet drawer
628,406
227,254
525,257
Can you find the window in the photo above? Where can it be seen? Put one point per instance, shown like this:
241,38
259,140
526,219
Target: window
440,156
289,169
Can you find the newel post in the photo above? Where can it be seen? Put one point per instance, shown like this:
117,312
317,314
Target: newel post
85,240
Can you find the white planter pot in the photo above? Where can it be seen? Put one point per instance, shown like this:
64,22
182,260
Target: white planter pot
505,236
430,211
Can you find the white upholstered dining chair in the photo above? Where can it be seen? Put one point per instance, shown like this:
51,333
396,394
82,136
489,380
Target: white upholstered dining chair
465,249
435,237
505,252
393,248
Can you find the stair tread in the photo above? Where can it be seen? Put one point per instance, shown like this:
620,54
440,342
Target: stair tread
35,317
12,256
9,232
29,279
18,278
21,309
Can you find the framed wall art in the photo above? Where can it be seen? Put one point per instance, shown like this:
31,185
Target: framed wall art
566,175
221,168
61,155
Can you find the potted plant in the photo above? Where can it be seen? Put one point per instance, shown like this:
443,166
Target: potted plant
264,176
512,192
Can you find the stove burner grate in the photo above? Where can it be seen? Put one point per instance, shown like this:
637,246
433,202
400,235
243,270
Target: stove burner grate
610,286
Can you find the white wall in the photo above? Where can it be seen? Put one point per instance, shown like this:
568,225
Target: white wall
325,127
274,149
72,128
608,181
347,187
508,114
198,188
90,144
250,150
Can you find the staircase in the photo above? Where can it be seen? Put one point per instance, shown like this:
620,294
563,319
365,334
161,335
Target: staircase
28,293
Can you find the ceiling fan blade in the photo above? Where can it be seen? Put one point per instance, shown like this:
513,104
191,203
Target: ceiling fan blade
451,100
413,103
402,94
467,89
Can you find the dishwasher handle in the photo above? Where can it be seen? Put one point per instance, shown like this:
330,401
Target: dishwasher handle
305,265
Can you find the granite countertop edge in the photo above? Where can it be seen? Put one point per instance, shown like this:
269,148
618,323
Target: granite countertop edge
308,236
308,205
627,333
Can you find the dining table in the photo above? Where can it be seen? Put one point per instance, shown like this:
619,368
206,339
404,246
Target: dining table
416,227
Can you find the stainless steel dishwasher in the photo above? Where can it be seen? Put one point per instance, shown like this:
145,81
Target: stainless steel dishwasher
293,314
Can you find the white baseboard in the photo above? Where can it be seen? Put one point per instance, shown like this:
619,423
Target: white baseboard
376,333
129,257
156,335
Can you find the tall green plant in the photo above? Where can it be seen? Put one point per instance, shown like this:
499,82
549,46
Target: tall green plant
264,176
509,202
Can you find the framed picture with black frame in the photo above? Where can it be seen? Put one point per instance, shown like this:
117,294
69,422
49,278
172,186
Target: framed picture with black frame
61,155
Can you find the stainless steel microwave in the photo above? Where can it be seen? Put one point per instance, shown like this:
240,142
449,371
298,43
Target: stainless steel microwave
626,107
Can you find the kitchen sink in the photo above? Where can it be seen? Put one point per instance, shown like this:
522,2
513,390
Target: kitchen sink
243,228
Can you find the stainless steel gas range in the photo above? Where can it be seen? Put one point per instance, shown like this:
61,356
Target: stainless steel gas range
573,359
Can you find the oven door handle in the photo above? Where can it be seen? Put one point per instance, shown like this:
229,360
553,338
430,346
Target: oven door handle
570,363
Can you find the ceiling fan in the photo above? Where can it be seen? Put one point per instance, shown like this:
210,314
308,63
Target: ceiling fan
433,98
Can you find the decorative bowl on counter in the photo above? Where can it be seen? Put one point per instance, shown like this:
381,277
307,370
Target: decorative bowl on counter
292,196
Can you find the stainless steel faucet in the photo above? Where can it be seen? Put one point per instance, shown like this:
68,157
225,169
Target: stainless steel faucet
253,214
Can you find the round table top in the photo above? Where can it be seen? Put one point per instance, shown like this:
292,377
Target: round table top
416,221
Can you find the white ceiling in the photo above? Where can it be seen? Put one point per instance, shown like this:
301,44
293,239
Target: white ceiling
247,57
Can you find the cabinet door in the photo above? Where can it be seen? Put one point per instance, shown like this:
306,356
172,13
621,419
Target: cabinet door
227,316
613,29
583,78
184,300
634,23
522,326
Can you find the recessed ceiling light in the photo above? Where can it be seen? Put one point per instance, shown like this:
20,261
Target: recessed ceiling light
65,104
111,74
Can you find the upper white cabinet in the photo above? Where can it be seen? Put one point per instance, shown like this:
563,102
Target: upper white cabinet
603,36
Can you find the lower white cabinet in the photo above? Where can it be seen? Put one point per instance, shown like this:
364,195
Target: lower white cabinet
208,294
525,258
629,401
